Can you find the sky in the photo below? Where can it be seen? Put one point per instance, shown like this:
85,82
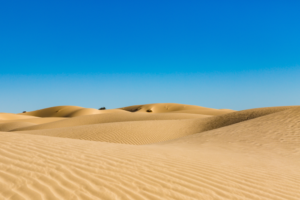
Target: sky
219,54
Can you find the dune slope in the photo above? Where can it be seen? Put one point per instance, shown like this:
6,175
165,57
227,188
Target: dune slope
111,117
11,116
141,128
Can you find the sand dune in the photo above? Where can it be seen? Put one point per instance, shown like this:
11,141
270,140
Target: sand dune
133,132
11,116
67,111
14,125
35,120
174,107
111,117
10,125
173,152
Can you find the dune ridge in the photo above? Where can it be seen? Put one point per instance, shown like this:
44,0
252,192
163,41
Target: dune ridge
67,111
174,107
173,152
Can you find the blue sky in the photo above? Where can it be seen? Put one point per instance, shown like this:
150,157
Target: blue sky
220,54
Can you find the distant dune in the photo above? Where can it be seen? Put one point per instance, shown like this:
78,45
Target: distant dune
153,151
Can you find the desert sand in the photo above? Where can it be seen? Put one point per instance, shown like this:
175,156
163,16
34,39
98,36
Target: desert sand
154,151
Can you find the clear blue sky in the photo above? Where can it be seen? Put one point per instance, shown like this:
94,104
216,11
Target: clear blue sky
221,54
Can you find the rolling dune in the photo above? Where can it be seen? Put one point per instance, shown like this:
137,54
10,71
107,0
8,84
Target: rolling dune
14,125
67,111
173,152
174,107
111,117
11,116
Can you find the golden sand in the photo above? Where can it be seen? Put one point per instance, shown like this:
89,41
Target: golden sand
153,151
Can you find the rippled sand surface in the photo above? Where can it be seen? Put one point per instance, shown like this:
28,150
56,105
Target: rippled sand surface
153,151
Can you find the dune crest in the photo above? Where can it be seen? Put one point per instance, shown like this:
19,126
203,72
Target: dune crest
175,107
67,111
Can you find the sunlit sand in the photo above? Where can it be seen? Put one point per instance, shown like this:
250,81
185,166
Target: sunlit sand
153,151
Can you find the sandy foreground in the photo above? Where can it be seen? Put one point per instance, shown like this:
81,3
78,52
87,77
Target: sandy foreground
154,151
